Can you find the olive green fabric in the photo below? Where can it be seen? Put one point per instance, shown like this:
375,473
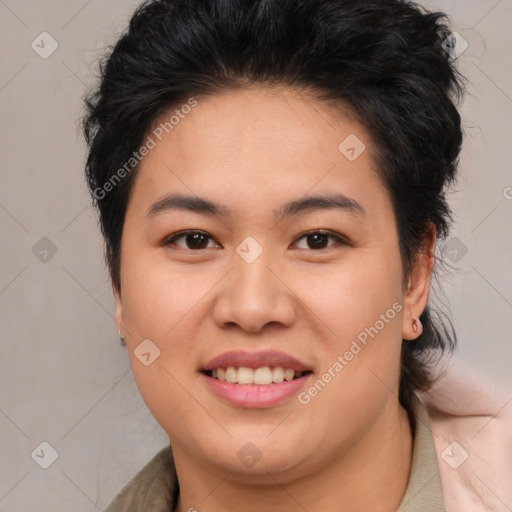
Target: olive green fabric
155,487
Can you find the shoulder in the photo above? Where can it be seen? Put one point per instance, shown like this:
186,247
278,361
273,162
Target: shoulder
471,422
150,489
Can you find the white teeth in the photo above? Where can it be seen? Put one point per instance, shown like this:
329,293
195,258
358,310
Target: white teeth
231,374
263,376
278,374
288,374
260,376
245,375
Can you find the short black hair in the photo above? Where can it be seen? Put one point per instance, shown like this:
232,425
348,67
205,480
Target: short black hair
385,59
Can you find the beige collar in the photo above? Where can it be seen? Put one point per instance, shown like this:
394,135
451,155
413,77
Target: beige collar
423,493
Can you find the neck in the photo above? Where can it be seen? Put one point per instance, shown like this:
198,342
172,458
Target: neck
372,476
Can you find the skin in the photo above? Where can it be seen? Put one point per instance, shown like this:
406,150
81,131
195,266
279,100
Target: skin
254,149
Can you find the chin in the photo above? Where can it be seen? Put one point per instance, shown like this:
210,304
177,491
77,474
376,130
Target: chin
260,455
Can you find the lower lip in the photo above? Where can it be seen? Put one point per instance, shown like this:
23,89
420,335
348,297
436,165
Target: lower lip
254,395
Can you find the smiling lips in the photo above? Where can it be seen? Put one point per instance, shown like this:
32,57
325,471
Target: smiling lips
256,360
260,379
260,368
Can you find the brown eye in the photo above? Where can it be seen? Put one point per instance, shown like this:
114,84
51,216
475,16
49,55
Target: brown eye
194,240
318,240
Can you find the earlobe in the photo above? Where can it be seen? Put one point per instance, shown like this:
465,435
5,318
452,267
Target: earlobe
417,327
416,298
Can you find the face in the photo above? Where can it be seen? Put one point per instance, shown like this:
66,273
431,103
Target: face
260,276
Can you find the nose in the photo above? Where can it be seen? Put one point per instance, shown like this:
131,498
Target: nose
254,296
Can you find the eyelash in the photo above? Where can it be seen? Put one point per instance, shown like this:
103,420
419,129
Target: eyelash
182,234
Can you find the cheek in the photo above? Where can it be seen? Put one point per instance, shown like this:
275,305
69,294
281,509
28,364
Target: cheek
352,296
358,310
157,297
161,304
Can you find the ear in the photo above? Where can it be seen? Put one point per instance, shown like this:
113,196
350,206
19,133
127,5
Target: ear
416,298
118,316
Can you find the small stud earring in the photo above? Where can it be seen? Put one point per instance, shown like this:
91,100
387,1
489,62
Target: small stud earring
416,325
123,343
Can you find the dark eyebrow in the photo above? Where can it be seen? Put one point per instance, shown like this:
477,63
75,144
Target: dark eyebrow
187,203
316,203
294,207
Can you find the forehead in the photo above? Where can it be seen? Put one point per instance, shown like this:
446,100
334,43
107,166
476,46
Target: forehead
251,145
281,118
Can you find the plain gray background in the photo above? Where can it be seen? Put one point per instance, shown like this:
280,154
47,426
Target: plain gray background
65,379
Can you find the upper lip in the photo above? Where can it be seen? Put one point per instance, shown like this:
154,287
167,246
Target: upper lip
255,360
